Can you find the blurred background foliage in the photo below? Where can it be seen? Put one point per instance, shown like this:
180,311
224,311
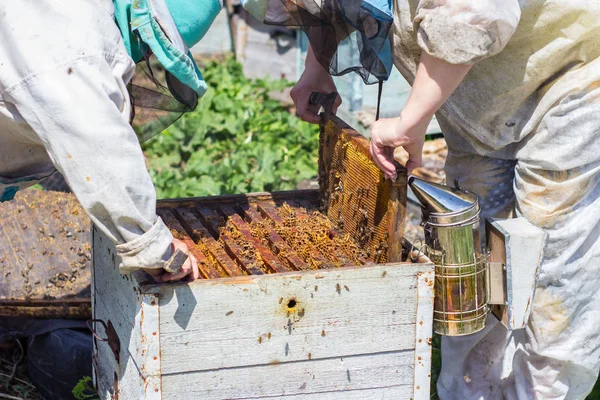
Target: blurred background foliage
238,140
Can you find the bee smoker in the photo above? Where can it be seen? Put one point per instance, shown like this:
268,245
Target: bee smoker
470,282
452,242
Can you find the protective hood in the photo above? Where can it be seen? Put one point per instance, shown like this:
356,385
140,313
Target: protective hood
160,33
345,35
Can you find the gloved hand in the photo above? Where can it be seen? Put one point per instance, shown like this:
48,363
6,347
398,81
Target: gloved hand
189,267
389,133
314,79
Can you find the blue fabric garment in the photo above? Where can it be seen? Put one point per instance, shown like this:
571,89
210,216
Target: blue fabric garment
382,12
193,18
180,65
140,31
10,186
161,32
9,193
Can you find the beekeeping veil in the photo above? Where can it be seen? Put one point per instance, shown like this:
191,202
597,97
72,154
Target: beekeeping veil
345,35
158,35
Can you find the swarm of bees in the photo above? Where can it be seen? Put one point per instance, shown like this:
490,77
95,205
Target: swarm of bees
247,253
312,235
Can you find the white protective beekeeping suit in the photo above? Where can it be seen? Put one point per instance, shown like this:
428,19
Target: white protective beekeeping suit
523,130
64,105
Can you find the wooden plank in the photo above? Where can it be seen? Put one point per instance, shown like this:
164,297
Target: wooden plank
211,220
207,270
117,299
423,335
148,321
241,199
279,246
355,377
74,309
130,384
200,234
243,257
237,253
267,256
310,206
257,320
389,392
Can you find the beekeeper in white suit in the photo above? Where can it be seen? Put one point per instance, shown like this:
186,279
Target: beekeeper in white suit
65,105
515,86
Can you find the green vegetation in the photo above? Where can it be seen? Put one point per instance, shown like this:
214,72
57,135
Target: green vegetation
238,140
84,390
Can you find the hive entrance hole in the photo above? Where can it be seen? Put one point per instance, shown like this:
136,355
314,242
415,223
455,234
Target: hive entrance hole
291,303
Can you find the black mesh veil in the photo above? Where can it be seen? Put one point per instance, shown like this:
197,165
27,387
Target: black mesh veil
339,29
158,99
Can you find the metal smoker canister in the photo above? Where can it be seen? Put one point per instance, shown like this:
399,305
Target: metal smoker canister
452,242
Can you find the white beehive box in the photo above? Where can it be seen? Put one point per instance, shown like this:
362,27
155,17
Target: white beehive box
351,333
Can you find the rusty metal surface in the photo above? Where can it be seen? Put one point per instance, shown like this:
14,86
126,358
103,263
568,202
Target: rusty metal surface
45,256
355,195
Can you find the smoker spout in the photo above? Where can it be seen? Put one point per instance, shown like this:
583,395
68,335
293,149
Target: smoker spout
436,198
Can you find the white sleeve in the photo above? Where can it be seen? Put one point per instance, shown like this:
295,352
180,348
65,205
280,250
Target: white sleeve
465,31
80,112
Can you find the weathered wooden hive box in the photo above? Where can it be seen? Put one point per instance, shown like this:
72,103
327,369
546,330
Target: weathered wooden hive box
45,253
293,302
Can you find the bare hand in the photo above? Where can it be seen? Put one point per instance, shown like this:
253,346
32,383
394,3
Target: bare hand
314,79
189,267
389,133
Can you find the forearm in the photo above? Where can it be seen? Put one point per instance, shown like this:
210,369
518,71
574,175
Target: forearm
311,61
434,82
313,66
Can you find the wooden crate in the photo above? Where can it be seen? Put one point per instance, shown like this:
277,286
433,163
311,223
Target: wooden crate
358,332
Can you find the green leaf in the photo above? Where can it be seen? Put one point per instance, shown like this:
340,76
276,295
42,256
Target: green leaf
237,140
84,390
